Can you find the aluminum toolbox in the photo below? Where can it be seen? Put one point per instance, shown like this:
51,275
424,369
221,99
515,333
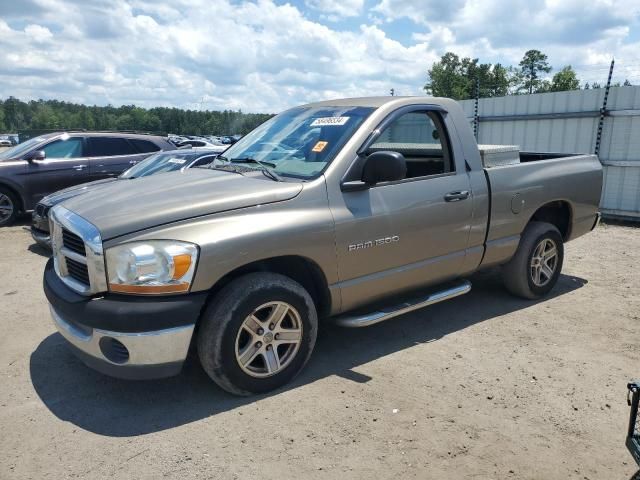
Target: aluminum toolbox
499,155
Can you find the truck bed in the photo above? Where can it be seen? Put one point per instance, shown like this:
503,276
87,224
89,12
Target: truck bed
517,191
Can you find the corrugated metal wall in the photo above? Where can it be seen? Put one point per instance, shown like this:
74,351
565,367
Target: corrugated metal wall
567,122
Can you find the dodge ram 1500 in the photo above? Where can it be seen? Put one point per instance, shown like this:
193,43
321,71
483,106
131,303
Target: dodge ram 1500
355,210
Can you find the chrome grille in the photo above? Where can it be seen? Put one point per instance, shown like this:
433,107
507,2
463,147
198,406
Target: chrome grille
78,271
77,252
73,242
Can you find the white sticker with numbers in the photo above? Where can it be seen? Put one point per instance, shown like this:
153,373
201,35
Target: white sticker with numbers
329,121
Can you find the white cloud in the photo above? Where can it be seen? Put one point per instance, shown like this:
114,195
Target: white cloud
38,33
337,8
265,55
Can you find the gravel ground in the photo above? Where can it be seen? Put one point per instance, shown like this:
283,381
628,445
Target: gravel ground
484,386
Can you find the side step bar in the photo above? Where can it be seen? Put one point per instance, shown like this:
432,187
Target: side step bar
371,318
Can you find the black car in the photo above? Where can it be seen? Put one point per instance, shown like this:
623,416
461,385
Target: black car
50,162
159,163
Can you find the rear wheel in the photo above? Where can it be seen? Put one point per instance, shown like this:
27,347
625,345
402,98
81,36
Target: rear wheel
534,269
8,207
257,333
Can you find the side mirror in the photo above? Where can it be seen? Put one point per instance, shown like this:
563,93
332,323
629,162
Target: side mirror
384,166
36,155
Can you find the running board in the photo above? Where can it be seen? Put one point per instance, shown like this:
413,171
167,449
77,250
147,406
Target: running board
371,318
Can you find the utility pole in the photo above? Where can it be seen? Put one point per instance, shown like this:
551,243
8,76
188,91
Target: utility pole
476,118
603,110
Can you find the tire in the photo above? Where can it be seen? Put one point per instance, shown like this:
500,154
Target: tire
9,207
519,274
223,341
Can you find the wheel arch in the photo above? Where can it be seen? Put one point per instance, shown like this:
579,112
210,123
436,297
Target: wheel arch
298,268
558,213
16,192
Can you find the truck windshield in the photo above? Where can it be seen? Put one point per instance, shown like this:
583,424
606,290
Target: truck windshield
300,142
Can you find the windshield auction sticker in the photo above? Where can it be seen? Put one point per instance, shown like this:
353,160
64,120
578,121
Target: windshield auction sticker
319,147
179,161
329,121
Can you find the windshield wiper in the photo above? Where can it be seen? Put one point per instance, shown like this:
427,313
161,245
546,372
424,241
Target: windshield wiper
267,167
252,160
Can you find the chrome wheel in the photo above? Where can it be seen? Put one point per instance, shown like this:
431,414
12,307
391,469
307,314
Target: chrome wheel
544,262
6,207
268,339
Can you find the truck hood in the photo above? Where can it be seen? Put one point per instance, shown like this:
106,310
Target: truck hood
124,207
70,192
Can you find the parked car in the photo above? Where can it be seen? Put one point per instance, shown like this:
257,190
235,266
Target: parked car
5,143
162,162
354,210
203,143
51,162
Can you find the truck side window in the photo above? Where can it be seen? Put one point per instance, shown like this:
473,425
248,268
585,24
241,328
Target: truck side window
420,137
69,148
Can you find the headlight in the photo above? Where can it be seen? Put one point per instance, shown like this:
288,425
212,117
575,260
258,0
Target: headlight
153,267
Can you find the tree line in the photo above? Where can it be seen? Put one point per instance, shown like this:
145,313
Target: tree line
459,78
18,115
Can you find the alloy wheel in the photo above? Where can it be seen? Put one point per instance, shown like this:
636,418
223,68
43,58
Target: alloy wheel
268,339
6,207
544,262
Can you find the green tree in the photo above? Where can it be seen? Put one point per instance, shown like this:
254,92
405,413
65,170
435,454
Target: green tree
458,78
447,78
2,126
532,65
566,79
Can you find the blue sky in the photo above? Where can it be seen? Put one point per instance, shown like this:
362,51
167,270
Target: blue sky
267,55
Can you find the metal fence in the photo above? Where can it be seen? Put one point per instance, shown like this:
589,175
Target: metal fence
568,122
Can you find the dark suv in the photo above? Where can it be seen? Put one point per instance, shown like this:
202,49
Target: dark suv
51,162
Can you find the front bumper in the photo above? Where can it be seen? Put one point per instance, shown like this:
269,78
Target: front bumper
40,226
42,238
125,336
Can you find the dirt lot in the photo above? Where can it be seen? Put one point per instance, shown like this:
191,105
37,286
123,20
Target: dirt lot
485,386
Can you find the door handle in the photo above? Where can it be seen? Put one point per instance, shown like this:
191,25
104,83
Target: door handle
456,196
79,167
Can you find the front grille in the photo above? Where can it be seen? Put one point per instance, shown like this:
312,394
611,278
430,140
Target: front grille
73,242
78,271
42,210
77,252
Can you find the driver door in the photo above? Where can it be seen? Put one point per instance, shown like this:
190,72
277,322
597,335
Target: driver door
399,236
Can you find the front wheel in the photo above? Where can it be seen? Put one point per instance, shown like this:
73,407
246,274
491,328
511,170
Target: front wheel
534,269
257,333
8,207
